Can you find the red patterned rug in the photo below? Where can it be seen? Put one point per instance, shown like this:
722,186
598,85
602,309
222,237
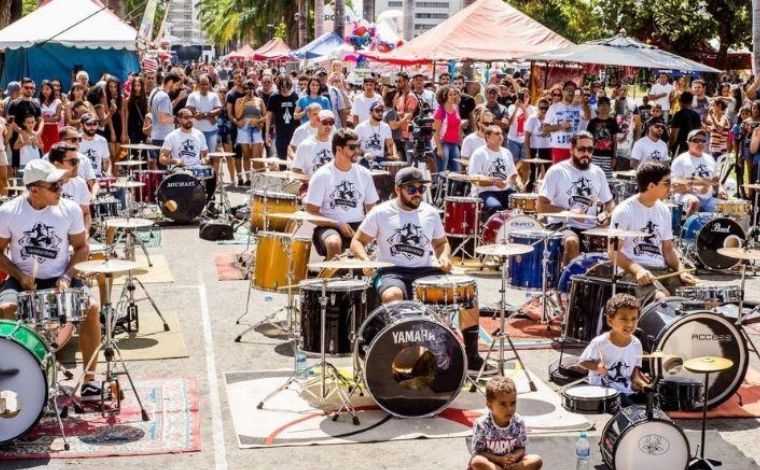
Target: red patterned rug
174,426
229,267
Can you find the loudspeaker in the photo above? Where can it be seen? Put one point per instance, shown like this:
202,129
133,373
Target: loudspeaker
214,230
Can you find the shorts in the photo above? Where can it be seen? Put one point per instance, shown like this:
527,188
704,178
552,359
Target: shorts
249,135
3,158
517,150
705,205
10,288
403,278
153,154
544,153
560,155
224,132
321,234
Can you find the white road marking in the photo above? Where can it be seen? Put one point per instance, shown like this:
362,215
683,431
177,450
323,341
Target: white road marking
220,453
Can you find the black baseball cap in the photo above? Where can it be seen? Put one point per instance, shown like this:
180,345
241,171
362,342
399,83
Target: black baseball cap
410,175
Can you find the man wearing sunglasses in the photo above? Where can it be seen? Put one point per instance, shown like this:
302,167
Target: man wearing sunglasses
342,191
651,146
564,119
576,185
495,164
64,157
410,235
375,137
38,228
696,184
70,135
317,150
95,147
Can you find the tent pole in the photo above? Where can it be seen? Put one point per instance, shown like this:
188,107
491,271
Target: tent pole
434,71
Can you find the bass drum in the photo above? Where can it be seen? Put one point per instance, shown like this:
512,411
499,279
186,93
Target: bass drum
631,441
414,365
704,233
498,227
181,197
667,326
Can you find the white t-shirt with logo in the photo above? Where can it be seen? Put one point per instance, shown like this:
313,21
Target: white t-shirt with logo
96,150
687,166
471,143
302,132
186,146
658,89
342,195
362,104
313,154
204,104
574,189
559,113
499,164
76,190
373,138
40,238
647,149
538,139
404,238
656,220
620,362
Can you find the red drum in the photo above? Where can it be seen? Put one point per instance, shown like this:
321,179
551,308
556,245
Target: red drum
461,216
105,185
152,180
500,224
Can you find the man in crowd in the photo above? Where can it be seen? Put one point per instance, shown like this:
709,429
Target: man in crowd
162,110
317,150
564,120
185,147
363,102
375,137
205,107
684,121
662,93
650,147
236,92
18,109
95,147
280,120
696,184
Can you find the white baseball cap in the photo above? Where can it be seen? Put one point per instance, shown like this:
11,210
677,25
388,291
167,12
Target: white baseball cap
41,170
326,114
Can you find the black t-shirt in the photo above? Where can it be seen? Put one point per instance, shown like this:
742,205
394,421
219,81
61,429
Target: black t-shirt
232,96
685,120
466,106
283,108
181,103
19,108
645,111
265,96
508,100
604,132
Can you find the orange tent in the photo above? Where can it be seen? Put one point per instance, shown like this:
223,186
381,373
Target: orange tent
244,53
487,30
275,49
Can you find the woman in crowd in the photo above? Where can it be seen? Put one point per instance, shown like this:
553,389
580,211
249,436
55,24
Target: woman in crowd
447,132
51,114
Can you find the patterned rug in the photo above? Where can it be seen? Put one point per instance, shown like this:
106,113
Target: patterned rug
524,332
229,267
174,426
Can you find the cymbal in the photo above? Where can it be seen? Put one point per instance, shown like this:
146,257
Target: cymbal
740,253
129,223
705,364
140,147
221,154
380,172
537,161
614,233
504,250
269,160
658,355
350,264
302,216
624,174
286,175
131,163
127,184
109,266
568,215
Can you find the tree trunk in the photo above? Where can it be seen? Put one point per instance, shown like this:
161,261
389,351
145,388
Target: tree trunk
408,20
5,14
368,10
16,10
340,18
302,18
319,18
118,7
756,35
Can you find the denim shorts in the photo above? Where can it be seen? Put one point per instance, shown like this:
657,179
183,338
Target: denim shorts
516,149
249,135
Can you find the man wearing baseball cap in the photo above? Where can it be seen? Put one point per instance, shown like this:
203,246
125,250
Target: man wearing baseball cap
316,150
695,182
410,235
37,228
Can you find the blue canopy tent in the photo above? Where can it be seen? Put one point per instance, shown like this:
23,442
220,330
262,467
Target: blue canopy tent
64,34
320,47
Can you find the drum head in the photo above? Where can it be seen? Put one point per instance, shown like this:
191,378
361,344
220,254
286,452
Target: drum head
715,234
590,391
651,444
415,367
181,197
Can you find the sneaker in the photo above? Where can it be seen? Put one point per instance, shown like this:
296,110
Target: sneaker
247,183
240,182
91,392
474,365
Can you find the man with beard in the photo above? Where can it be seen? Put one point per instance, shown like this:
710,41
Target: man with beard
576,185
408,232
317,150
342,191
375,137
17,109
163,114
651,146
95,147
697,182
185,147
496,164
64,156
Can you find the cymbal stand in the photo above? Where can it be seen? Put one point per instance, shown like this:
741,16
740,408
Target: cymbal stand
110,353
501,335
740,316
545,296
474,237
221,192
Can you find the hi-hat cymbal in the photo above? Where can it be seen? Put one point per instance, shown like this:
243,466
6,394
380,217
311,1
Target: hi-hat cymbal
129,223
624,174
270,160
286,175
537,161
140,147
302,216
568,215
127,184
658,355
221,154
740,253
109,266
705,364
504,250
350,264
614,233
131,163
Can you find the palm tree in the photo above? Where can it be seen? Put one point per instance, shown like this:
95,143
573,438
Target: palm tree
408,20
303,13
228,20
319,18
368,10
340,17
756,33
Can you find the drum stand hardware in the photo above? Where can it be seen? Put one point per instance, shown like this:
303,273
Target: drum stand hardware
224,206
130,240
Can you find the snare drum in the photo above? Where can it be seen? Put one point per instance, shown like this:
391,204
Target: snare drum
345,311
446,291
50,306
733,207
526,271
273,251
460,216
711,296
264,202
526,202
104,208
502,223
200,172
591,399
152,180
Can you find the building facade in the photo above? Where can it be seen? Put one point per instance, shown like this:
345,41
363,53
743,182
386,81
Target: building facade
427,13
184,25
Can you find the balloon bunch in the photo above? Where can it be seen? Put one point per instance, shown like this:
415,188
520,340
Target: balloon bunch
384,47
362,34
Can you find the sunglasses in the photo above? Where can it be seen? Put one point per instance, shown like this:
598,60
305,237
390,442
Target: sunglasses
327,122
559,95
585,149
30,88
73,161
378,110
73,139
54,187
412,190
697,141
352,146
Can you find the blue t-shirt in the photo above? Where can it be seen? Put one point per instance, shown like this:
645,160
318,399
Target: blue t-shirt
305,101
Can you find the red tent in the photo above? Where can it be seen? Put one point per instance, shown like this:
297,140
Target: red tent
275,50
487,30
244,53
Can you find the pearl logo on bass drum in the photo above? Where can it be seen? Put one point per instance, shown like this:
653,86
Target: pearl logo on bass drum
718,228
412,336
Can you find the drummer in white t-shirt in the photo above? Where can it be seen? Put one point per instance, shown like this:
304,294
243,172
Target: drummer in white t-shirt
576,185
696,183
410,235
64,157
317,150
37,228
343,191
644,258
495,163
185,147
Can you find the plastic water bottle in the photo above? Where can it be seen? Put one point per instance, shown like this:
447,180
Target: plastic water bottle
582,452
301,368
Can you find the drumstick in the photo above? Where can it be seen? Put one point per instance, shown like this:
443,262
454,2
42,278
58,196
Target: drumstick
674,274
35,267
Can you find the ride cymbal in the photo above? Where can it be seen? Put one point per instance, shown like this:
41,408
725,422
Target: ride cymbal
504,250
740,253
705,364
105,267
350,264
